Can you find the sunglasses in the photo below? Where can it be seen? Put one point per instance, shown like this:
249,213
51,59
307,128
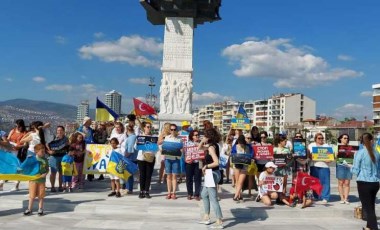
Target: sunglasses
173,129
148,127
320,138
299,136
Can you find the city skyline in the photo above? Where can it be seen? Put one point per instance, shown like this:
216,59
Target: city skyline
67,51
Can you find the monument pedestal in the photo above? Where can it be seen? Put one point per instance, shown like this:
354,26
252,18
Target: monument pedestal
177,71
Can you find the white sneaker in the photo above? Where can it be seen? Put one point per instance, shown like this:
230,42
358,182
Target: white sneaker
205,222
217,226
342,202
324,202
346,202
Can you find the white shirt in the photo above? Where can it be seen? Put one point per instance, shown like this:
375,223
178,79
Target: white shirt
320,164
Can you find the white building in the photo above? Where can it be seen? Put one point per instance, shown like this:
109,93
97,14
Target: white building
83,111
289,109
376,107
113,100
260,116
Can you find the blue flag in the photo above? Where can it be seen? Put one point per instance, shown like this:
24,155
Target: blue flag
121,166
12,169
241,113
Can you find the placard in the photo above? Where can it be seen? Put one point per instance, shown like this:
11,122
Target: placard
299,148
147,143
96,159
192,153
280,159
263,152
170,148
322,154
240,123
273,184
244,159
346,153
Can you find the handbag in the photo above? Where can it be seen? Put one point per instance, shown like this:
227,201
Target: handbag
358,212
148,157
252,169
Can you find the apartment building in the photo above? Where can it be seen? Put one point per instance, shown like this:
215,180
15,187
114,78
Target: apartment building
376,107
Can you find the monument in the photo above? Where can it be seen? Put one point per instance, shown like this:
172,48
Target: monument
180,17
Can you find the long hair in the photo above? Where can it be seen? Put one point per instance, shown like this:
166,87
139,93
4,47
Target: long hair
366,140
38,126
20,123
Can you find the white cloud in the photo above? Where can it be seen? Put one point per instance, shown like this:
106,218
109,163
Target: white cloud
99,35
142,81
134,50
208,98
289,66
343,57
89,88
60,40
353,110
64,88
8,79
39,79
366,94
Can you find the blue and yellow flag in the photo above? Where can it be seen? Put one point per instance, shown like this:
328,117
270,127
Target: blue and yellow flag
12,169
241,113
120,166
68,166
104,113
378,145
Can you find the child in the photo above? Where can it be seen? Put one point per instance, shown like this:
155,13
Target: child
115,181
78,149
267,196
68,170
37,187
294,198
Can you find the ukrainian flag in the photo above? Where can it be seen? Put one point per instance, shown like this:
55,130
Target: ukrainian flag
120,166
11,169
104,113
378,145
241,113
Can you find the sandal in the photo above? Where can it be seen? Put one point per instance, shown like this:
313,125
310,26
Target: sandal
169,196
174,197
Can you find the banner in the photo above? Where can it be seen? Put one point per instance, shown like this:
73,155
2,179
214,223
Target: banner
12,169
263,152
273,183
322,154
96,159
172,148
192,153
346,153
147,143
240,123
244,159
299,148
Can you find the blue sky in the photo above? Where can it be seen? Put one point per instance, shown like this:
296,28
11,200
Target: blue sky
68,50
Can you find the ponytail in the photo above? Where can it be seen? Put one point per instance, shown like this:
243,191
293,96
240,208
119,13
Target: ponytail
42,135
366,140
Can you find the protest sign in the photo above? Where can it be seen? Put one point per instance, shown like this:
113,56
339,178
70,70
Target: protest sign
244,159
346,153
299,148
147,143
96,158
280,159
240,123
263,152
170,148
322,154
192,153
273,183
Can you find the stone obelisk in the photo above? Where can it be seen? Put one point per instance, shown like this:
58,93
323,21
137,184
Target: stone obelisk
180,17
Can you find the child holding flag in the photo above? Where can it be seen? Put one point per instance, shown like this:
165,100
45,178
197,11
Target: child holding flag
115,181
68,170
37,187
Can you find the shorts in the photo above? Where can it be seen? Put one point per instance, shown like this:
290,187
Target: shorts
113,177
172,166
343,172
243,168
67,179
55,164
36,189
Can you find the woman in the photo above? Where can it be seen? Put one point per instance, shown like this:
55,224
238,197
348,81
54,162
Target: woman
367,167
119,135
343,173
320,169
165,132
283,170
15,136
261,163
265,195
240,170
145,161
57,149
209,194
172,164
130,153
255,135
193,172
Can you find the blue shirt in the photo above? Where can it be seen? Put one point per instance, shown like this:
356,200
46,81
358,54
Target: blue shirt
364,168
130,147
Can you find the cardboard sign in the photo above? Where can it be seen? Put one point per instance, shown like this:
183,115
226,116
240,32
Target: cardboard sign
170,148
192,153
147,143
244,159
96,159
263,152
240,123
185,139
280,159
322,154
346,153
273,184
299,148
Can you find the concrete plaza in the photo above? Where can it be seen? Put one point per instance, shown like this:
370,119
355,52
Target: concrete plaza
92,209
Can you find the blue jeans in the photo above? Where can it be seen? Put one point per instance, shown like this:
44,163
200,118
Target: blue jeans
210,196
172,166
323,174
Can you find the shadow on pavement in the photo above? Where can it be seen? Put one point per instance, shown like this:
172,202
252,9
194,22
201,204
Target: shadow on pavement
247,215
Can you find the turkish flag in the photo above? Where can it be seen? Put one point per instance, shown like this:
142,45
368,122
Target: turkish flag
142,108
304,182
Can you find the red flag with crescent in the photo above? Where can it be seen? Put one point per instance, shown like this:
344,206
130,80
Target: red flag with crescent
142,108
305,182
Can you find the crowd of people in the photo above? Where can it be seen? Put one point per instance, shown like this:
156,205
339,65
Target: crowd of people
62,150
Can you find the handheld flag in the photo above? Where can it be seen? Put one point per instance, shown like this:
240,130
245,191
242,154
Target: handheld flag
11,169
120,166
378,145
304,182
142,108
104,113
241,113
